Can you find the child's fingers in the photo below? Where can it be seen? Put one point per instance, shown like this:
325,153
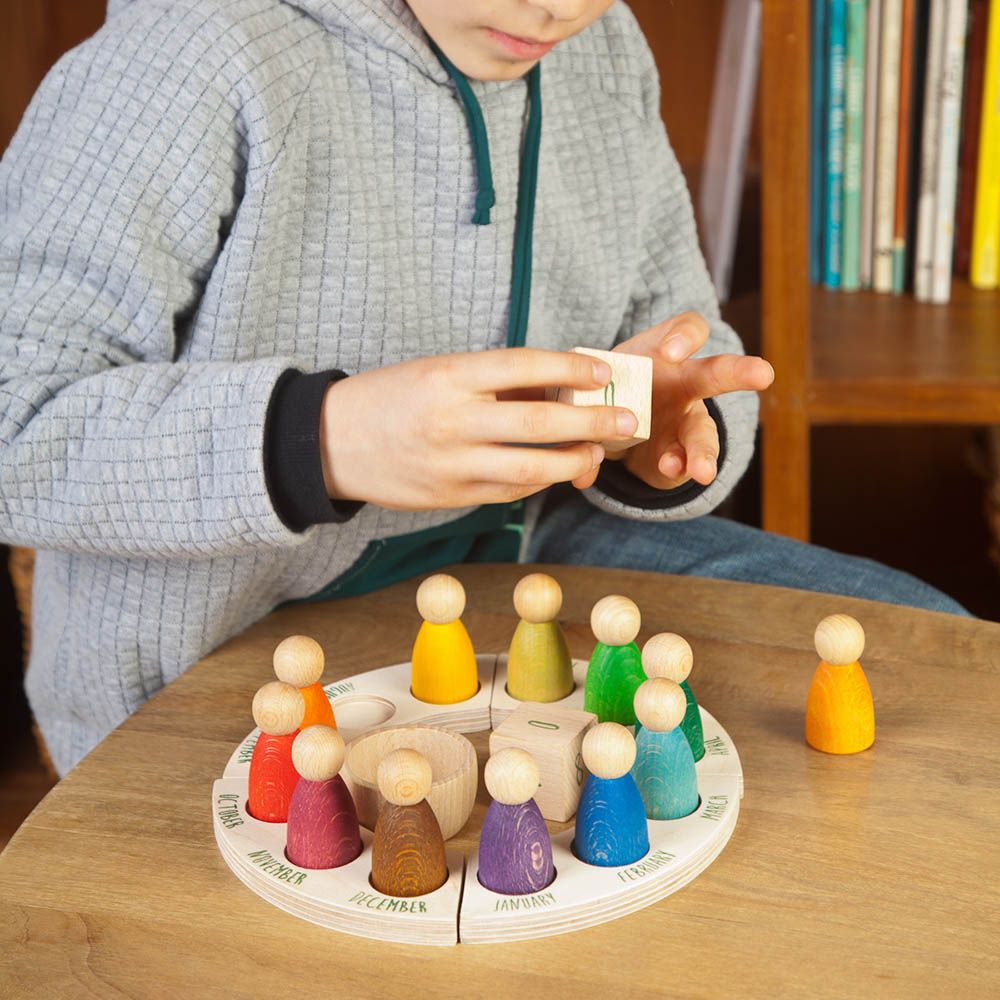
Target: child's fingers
525,467
699,437
704,378
545,423
583,482
479,493
673,462
683,336
524,367
673,340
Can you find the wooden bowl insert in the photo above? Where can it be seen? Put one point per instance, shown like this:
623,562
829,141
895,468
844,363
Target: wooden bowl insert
453,763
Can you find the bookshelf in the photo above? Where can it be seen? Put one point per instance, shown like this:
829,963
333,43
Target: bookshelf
845,358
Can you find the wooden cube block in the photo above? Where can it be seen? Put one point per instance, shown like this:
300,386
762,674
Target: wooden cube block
631,386
554,737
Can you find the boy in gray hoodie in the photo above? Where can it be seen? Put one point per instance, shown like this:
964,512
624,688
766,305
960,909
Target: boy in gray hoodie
281,287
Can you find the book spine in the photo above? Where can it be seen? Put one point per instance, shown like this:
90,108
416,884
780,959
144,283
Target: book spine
817,137
947,180
872,34
885,154
984,270
854,106
972,103
837,15
928,154
903,147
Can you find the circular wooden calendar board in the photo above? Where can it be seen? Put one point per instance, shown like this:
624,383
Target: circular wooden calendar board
462,909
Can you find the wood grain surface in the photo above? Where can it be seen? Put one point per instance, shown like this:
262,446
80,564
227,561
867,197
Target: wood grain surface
614,673
515,849
323,830
408,851
874,875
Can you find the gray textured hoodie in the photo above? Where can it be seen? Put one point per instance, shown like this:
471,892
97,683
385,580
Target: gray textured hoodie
210,192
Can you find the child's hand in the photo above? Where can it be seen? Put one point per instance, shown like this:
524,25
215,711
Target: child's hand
449,431
684,441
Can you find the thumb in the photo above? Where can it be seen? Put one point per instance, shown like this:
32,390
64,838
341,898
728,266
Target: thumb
674,340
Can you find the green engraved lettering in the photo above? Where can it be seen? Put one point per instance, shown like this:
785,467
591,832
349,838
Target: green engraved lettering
715,807
338,689
229,810
391,904
716,747
653,862
268,863
246,750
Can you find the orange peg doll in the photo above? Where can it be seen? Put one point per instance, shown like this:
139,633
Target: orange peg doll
278,709
444,668
840,714
299,661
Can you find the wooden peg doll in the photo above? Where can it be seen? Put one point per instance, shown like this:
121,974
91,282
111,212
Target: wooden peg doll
539,667
408,856
664,769
299,661
515,850
840,713
611,825
278,709
443,662
615,669
668,655
323,829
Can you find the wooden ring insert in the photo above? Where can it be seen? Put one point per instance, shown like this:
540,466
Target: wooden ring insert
579,896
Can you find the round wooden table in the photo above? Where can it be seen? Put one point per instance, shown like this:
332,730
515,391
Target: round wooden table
872,875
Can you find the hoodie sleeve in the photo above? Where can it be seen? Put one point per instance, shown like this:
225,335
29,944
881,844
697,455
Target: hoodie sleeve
115,197
671,278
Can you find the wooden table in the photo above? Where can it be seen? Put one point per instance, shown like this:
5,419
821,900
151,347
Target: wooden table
874,875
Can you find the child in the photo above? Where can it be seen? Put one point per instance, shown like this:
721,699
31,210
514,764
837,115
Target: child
259,257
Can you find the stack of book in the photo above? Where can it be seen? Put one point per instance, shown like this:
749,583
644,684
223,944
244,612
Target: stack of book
905,145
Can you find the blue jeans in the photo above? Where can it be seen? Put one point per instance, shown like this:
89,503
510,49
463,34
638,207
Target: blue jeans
571,530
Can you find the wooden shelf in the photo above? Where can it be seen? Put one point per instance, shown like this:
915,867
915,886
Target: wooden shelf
890,359
844,358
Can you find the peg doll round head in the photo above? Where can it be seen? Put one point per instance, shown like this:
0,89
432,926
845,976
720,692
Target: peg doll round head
404,777
440,599
278,708
667,655
615,620
660,704
512,776
840,640
298,660
608,750
537,598
318,753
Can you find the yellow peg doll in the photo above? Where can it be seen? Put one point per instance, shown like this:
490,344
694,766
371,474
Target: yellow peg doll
443,662
840,713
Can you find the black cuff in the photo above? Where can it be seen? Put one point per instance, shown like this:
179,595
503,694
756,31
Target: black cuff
293,467
617,482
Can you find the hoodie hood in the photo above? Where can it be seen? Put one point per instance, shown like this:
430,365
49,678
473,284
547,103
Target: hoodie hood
390,24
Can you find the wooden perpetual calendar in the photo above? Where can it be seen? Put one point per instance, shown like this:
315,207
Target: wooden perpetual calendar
462,909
